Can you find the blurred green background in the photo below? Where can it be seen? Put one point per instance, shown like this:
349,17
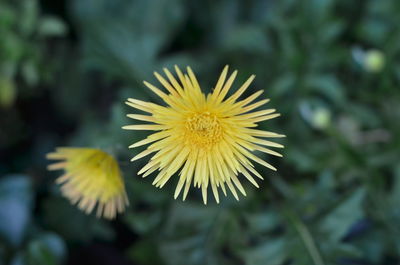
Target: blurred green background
331,67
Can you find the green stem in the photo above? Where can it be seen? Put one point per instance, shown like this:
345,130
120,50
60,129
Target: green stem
307,239
284,189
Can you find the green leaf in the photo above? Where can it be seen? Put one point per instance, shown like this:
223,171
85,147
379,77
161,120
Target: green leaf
69,222
184,251
262,222
143,252
143,222
7,15
55,244
50,26
271,252
46,249
372,245
283,85
30,73
189,235
12,47
328,86
247,38
125,39
29,12
15,207
338,222
39,254
18,259
395,195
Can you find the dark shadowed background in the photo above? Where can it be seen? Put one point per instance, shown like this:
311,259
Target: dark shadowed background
332,68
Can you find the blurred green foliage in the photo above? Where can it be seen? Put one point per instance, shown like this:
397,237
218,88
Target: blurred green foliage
331,67
22,54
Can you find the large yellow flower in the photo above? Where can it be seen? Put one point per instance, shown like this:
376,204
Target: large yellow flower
91,177
209,139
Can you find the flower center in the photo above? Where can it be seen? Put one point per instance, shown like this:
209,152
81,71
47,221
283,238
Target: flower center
203,130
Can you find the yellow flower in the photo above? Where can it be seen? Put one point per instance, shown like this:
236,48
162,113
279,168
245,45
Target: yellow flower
209,139
91,177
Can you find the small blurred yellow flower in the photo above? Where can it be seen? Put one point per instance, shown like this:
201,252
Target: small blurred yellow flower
374,60
321,118
91,177
208,138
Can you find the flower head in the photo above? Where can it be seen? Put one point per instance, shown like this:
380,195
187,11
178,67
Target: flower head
91,177
209,139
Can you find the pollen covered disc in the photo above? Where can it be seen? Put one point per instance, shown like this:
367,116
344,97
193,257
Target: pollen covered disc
203,130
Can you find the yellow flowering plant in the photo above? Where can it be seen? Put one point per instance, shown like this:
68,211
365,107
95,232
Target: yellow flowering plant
207,140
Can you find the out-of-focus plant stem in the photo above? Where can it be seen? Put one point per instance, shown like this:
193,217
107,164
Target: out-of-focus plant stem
284,189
